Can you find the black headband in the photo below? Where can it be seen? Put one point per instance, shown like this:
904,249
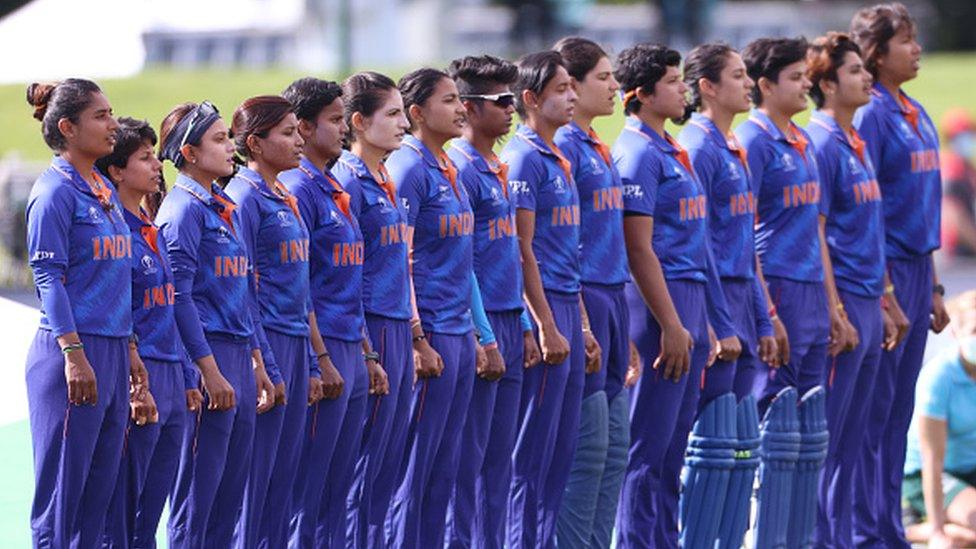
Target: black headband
189,130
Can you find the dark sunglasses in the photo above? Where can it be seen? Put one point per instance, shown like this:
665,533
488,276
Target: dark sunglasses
502,100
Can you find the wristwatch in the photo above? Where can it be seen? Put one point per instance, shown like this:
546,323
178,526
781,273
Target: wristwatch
939,289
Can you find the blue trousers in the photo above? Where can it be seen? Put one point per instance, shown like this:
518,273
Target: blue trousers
850,377
877,503
273,471
606,307
216,456
77,449
419,509
476,516
333,430
738,376
384,436
661,414
802,307
150,458
549,414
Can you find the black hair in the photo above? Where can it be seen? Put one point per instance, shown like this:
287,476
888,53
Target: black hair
480,74
824,58
873,27
131,135
767,57
257,116
364,92
641,67
308,96
52,102
705,61
417,86
580,55
535,70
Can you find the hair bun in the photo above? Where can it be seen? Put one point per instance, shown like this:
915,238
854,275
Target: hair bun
38,96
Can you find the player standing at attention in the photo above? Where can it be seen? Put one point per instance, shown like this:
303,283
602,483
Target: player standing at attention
151,452
720,89
217,320
374,116
78,365
440,226
478,510
855,238
668,249
590,504
903,145
547,223
335,264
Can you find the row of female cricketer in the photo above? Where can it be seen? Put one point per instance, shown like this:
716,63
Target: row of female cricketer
334,329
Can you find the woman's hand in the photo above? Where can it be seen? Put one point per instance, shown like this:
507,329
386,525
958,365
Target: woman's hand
494,366
332,382
675,357
530,349
729,348
426,361
593,352
782,342
280,394
138,375
897,315
143,410
314,389
768,351
838,333
555,348
634,367
379,383
219,392
80,378
265,389
194,400
940,316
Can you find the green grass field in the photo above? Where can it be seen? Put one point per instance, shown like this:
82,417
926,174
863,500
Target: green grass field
947,80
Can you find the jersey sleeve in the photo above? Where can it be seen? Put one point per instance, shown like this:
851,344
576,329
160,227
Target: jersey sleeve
526,174
482,327
48,225
525,320
717,307
638,173
764,325
249,217
182,235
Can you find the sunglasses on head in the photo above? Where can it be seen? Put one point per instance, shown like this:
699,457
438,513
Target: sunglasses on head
503,100
202,112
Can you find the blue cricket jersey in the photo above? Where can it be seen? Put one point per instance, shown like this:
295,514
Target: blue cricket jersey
852,204
603,253
439,211
497,262
904,147
786,185
337,250
383,221
79,253
540,179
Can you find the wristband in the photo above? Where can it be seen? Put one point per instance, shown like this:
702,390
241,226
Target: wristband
840,306
372,355
72,347
323,354
939,289
772,312
587,331
774,317
419,337
889,289
489,346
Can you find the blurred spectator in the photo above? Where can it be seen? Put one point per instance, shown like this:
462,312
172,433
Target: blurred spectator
940,469
959,181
